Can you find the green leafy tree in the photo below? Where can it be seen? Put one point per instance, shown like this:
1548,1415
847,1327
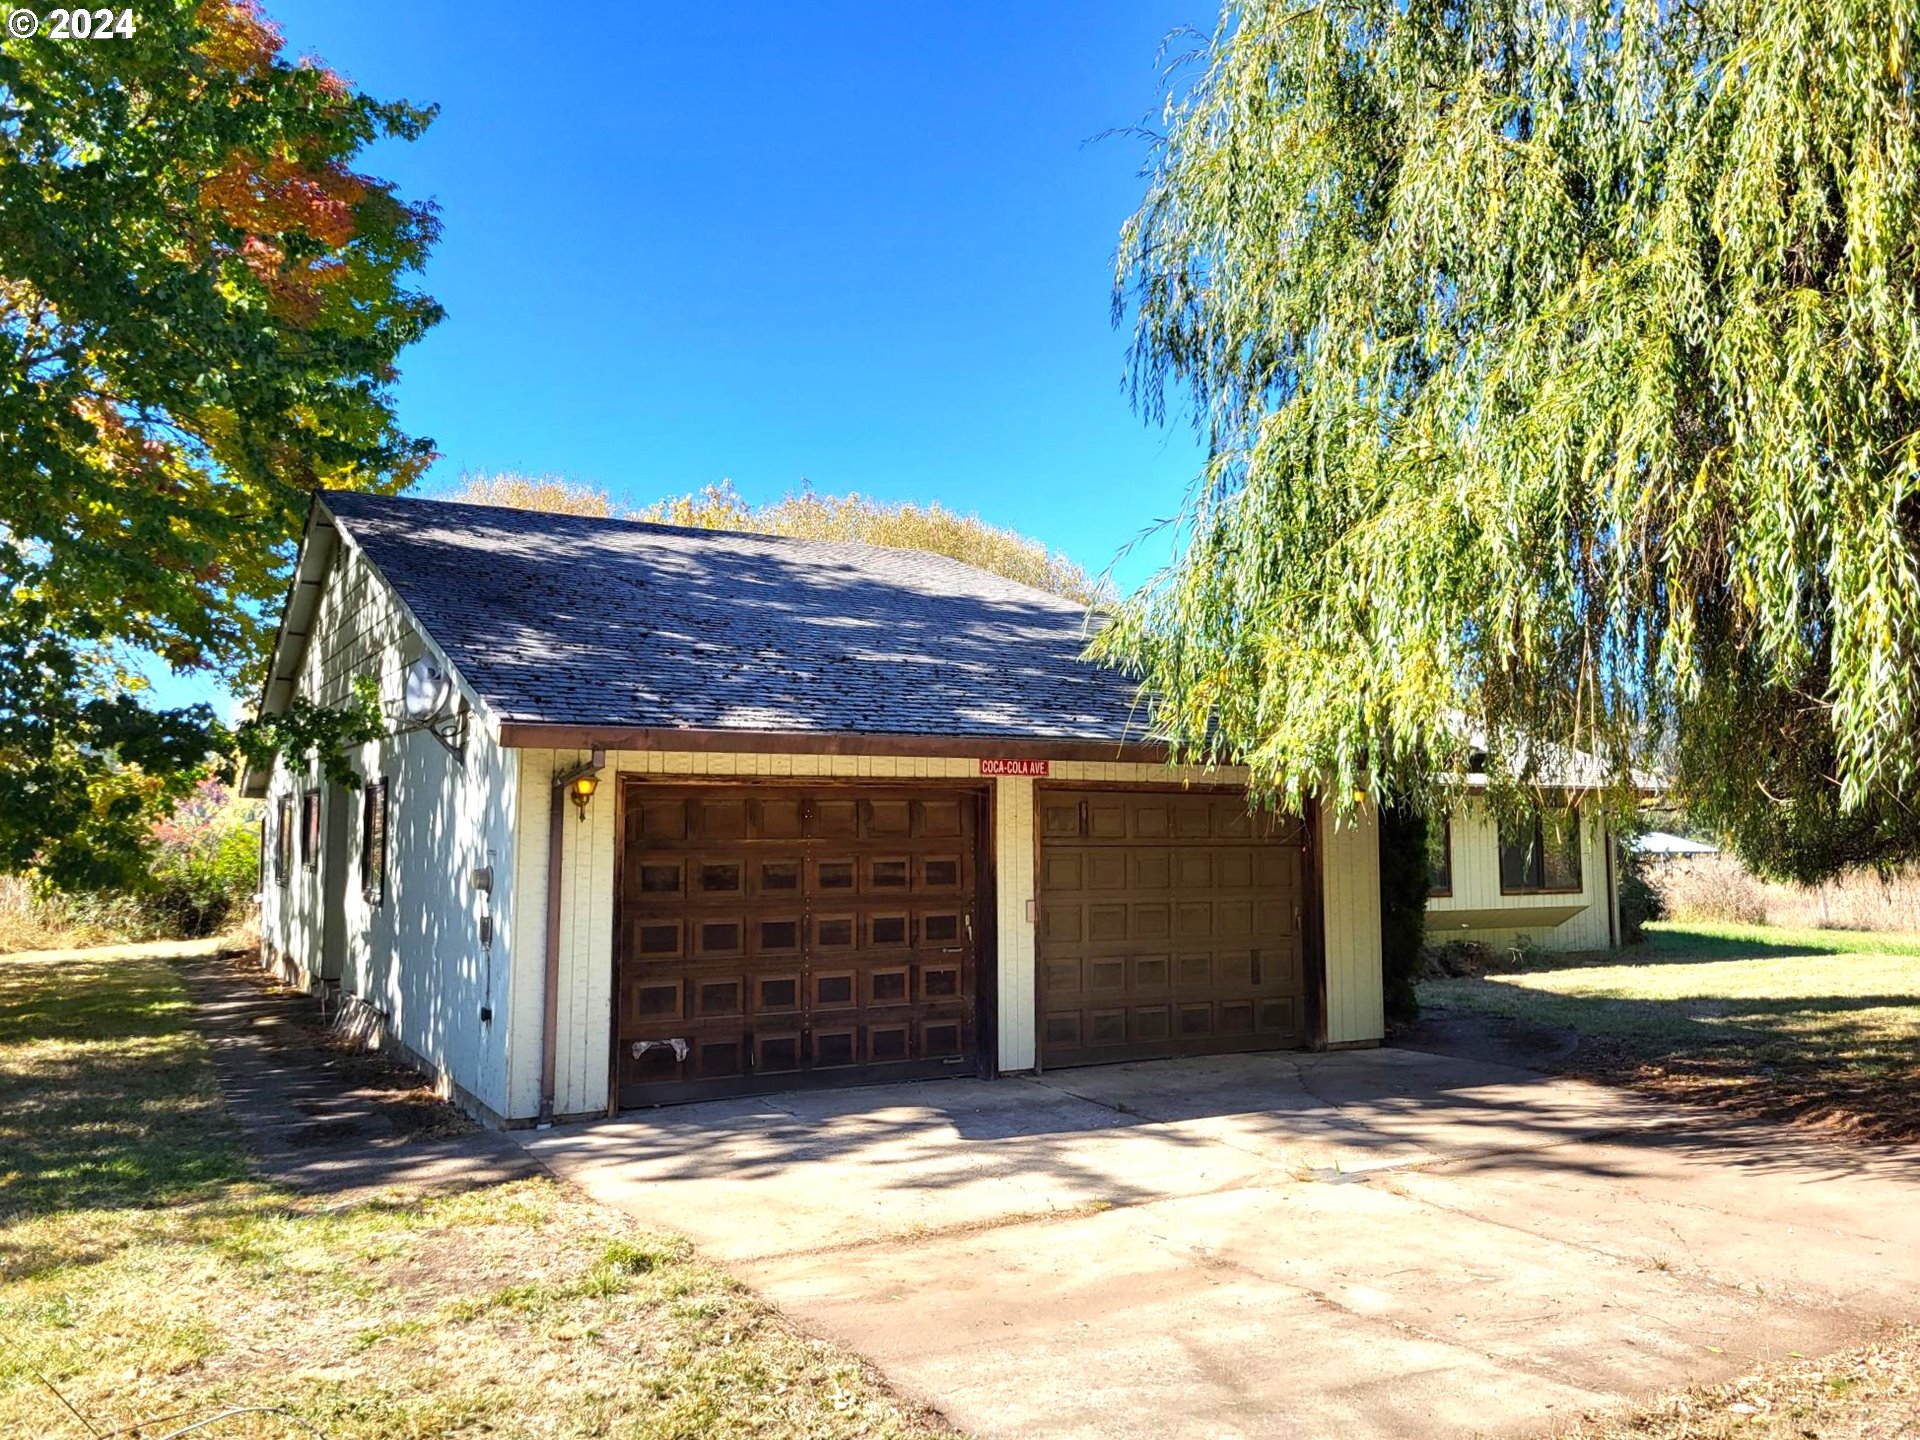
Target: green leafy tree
201,302
1560,368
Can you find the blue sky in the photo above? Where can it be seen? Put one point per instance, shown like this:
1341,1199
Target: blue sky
865,245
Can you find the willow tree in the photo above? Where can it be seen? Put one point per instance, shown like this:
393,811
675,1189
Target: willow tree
1560,368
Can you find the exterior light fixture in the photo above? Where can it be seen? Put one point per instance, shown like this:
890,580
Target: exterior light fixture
578,784
580,791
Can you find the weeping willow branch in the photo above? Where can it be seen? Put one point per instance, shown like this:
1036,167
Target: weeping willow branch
1560,368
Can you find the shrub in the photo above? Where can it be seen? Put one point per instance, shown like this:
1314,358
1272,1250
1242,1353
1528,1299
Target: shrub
1711,887
1403,906
1453,959
206,863
1639,900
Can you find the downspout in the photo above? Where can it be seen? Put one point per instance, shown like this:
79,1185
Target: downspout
550,995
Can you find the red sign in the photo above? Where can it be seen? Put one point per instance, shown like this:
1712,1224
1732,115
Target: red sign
1013,767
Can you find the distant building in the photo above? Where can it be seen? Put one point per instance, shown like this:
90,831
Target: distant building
1665,846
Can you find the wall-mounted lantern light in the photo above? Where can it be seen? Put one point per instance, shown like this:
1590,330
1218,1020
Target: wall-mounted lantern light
579,783
581,791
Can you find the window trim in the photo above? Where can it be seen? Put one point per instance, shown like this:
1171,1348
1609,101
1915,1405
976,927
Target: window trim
1437,892
283,841
1540,852
373,880
310,830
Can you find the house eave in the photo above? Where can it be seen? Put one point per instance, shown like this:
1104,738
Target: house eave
544,735
304,589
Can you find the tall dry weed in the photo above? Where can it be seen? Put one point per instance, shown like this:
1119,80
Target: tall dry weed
1718,887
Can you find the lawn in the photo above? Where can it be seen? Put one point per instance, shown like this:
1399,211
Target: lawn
1815,1026
146,1278
1818,1027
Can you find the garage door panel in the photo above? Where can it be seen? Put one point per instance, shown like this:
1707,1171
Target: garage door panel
1152,869
1060,818
779,819
771,935
942,818
1107,818
1204,957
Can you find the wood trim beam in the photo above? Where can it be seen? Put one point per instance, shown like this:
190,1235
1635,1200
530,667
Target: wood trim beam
523,734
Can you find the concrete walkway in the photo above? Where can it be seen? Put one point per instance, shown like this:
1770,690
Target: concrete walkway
1366,1244
320,1119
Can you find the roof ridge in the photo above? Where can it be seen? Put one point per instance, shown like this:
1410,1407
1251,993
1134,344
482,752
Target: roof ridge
692,532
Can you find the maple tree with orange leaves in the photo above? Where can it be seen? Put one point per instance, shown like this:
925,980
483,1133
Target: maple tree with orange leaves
202,302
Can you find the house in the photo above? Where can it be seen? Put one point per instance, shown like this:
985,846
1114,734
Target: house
1665,845
664,814
1555,885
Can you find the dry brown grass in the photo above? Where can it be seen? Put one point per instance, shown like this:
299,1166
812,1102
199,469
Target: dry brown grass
29,923
1719,888
1871,1392
144,1273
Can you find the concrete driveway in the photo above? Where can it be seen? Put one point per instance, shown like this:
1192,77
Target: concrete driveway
1369,1243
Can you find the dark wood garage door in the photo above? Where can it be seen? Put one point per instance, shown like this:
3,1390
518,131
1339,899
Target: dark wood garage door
770,937
1169,924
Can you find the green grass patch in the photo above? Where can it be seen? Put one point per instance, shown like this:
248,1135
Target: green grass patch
1805,1024
144,1273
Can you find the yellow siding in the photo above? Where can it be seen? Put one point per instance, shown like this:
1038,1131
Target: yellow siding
588,883
530,938
1350,902
1013,866
1476,886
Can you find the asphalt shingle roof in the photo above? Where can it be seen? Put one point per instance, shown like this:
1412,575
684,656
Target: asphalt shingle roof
581,621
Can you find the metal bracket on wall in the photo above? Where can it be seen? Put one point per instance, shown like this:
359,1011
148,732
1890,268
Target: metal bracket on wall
451,732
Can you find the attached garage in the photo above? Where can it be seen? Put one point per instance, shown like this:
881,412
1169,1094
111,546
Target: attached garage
786,935
1171,922
670,814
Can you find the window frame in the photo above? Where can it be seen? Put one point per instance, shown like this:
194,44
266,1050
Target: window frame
373,860
283,841
1442,892
310,830
1539,851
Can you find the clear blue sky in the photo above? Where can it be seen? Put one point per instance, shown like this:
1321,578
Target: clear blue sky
866,245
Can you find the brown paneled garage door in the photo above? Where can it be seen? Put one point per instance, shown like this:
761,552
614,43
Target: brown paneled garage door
778,936
1170,923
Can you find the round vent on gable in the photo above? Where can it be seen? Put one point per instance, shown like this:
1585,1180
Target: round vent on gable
429,688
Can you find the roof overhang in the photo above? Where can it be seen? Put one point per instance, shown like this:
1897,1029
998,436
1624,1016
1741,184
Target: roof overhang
318,543
1502,917
541,735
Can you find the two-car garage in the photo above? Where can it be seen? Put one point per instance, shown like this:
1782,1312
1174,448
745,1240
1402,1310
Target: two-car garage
772,936
700,813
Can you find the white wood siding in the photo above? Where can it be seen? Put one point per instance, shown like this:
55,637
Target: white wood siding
1351,903
417,958
1476,887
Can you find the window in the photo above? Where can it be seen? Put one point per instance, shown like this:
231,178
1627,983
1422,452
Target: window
283,839
1439,856
373,843
1541,855
310,829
